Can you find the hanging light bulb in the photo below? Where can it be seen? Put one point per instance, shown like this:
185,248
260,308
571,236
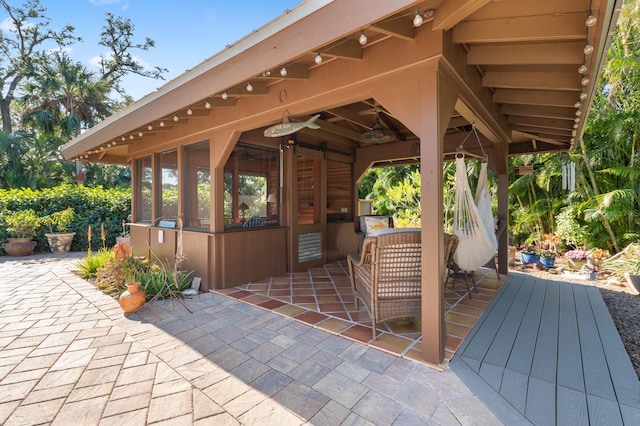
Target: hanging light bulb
161,123
189,111
363,38
578,113
207,105
591,20
175,117
266,73
140,133
283,71
588,49
583,96
224,95
584,81
576,105
318,58
417,20
114,142
249,87
123,139
102,148
577,119
582,69
149,127
575,125
574,132
131,137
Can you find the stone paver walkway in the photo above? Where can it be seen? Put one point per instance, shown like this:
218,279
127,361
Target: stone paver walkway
68,356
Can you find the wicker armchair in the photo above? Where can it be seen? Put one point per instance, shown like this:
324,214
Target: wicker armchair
386,277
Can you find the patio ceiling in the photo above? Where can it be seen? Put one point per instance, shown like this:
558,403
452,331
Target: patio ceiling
524,61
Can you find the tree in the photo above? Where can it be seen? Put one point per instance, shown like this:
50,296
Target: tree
22,46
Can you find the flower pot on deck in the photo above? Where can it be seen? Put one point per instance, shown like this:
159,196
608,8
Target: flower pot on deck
548,262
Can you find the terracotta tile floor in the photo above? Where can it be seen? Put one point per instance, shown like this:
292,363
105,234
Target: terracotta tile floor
322,297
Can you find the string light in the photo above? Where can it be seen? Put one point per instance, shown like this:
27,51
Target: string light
583,96
175,117
582,69
363,38
149,127
283,72
249,87
576,105
225,95
578,113
266,73
123,139
318,58
588,49
114,142
189,111
161,123
591,21
584,81
131,137
207,105
140,133
417,20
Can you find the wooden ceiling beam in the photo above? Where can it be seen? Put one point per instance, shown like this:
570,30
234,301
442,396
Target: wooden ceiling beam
452,12
532,80
509,9
400,28
525,29
527,54
535,97
351,116
218,102
561,113
516,120
346,49
547,139
339,130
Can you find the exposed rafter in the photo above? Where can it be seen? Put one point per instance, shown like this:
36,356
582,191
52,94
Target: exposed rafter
452,12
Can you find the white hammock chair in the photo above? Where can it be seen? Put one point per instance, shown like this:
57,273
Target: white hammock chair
472,219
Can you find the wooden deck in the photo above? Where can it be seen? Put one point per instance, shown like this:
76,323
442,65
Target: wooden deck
547,352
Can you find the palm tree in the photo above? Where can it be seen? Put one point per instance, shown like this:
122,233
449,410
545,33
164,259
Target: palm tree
62,97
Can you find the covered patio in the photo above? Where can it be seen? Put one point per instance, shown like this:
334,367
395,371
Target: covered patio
393,83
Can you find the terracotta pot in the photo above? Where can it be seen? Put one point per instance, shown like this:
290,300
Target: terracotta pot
133,299
60,242
19,248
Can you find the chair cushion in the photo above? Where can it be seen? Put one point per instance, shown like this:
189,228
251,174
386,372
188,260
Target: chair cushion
375,225
396,230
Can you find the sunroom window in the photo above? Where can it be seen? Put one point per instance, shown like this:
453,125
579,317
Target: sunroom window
251,183
168,180
144,190
197,181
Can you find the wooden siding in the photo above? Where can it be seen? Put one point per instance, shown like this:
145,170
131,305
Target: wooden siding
547,352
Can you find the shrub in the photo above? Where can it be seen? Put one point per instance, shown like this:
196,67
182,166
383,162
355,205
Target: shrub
93,207
23,223
90,264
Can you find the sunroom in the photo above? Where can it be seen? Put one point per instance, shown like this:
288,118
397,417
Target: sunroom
390,83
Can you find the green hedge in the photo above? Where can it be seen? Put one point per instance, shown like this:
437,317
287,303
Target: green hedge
93,206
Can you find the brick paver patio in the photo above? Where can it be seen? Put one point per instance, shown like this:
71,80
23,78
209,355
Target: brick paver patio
69,356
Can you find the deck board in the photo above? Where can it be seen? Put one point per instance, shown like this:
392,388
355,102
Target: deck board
547,352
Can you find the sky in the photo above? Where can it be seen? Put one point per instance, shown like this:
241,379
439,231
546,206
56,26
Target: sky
186,32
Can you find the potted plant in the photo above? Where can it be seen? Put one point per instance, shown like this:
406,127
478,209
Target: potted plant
59,239
548,258
528,254
23,225
576,258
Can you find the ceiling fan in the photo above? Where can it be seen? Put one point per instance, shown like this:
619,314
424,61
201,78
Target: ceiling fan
379,134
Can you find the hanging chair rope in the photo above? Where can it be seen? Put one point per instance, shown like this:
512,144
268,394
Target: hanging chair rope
472,219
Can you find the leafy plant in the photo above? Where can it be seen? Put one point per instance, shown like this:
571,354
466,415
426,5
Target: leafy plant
60,220
548,254
90,264
23,223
